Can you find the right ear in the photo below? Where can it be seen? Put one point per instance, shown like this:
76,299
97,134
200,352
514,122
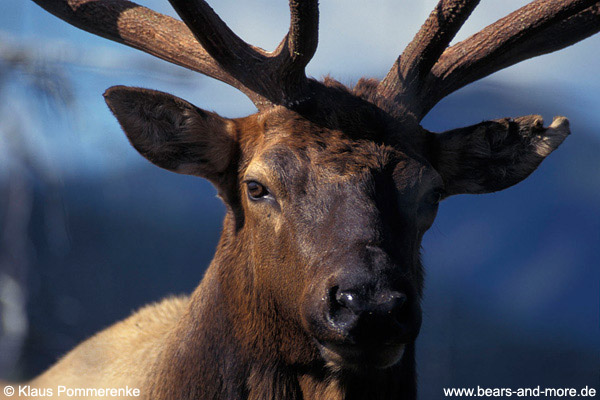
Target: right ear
174,134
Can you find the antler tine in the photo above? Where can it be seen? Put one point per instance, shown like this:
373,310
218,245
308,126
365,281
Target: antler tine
141,28
403,81
298,47
540,27
278,77
237,58
213,49
303,36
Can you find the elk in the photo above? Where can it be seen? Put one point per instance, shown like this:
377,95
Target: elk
314,291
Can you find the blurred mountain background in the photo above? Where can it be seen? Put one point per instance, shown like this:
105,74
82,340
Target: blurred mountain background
90,231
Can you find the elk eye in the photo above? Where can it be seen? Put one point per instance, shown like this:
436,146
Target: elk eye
256,191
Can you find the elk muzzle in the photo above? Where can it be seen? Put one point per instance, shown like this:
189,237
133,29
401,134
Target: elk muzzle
348,308
365,326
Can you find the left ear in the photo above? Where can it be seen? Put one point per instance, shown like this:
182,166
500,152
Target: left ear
494,155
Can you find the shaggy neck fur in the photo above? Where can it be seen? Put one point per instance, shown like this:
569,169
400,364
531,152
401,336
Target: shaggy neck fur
230,344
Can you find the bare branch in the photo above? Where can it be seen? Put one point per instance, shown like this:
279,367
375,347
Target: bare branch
409,70
540,27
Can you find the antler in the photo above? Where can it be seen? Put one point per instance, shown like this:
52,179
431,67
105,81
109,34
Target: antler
406,77
424,75
426,72
266,78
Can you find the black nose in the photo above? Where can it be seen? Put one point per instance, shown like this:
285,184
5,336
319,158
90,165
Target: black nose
388,302
362,316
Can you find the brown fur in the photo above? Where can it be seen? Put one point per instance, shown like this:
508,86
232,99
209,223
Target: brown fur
351,191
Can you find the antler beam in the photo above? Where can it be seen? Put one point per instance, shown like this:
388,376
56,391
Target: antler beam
277,76
141,28
426,72
538,28
541,27
212,49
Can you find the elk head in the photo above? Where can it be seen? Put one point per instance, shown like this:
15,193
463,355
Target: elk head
329,190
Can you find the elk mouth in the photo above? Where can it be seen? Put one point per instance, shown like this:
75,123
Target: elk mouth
370,341
344,355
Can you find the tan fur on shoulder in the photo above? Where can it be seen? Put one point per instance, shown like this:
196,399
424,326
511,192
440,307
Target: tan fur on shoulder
130,345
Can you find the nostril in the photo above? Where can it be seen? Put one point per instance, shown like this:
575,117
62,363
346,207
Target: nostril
342,314
384,303
393,302
361,317
348,300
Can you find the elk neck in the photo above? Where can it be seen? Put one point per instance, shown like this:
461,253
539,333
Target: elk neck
231,343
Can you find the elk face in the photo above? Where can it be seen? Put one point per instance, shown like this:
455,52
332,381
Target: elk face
335,226
331,221
329,217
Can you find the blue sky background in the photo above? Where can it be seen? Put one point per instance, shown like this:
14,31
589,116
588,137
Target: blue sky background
512,285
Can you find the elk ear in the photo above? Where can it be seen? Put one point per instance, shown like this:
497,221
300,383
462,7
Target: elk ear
494,155
174,134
